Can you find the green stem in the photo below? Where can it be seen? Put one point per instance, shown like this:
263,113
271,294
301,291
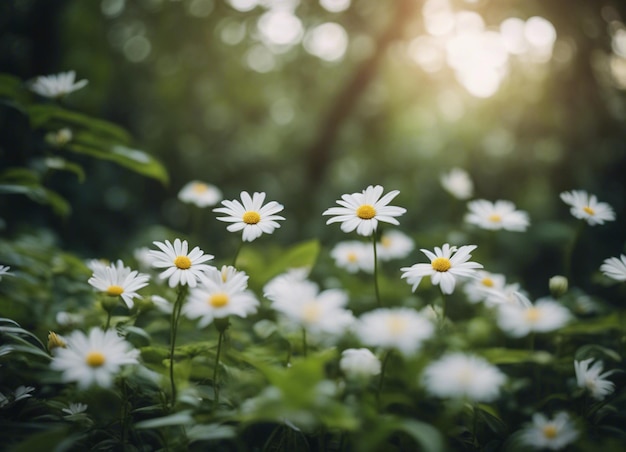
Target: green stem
237,253
382,377
304,344
108,322
289,351
569,251
378,301
216,388
442,319
178,305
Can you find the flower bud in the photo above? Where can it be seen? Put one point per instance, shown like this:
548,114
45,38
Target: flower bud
558,285
55,341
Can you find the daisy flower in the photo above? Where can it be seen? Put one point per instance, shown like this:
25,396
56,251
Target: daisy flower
353,256
544,433
58,85
359,363
280,286
394,245
498,215
517,320
200,194
586,207
250,215
303,305
446,264
362,211
93,359
143,256
216,298
615,268
97,264
591,379
4,271
116,280
458,183
75,408
401,328
509,294
182,267
479,288
461,376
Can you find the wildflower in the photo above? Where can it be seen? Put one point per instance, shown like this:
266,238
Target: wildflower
116,280
303,305
399,328
93,359
394,245
97,264
479,288
461,376
558,285
353,256
58,85
615,268
216,298
161,304
544,433
280,286
509,294
589,378
22,392
69,319
182,267
458,183
446,264
498,215
4,271
200,194
586,207
60,137
250,215
143,256
362,211
517,320
75,408
55,341
359,363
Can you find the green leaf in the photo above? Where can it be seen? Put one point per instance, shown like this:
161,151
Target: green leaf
180,418
425,435
12,88
25,182
491,417
60,164
596,351
301,255
512,356
597,325
201,432
56,440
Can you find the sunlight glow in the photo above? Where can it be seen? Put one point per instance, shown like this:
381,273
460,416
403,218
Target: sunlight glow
327,41
280,29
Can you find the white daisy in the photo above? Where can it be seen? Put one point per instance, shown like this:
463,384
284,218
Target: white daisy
354,256
69,319
319,313
199,193
4,271
509,294
446,264
216,298
544,433
498,215
57,85
586,207
143,256
591,379
75,408
93,359
615,268
461,376
280,286
358,363
162,304
394,245
182,267
458,183
97,264
250,215
400,328
116,280
517,320
478,289
362,211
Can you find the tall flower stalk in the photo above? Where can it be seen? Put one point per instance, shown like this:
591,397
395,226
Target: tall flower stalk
178,304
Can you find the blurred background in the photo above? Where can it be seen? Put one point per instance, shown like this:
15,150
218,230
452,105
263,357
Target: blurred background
310,99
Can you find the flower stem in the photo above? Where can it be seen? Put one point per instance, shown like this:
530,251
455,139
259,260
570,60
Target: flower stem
237,253
178,305
304,344
382,377
378,301
108,322
442,319
569,251
216,388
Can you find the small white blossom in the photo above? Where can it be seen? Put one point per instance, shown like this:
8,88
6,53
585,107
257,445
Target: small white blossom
518,320
75,408
4,271
182,267
57,85
498,215
615,268
591,378
362,211
394,245
354,256
116,280
586,207
359,363
458,183
544,433
478,289
461,376
200,193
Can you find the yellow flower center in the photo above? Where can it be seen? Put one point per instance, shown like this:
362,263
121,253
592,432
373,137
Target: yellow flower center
495,218
182,262
352,257
487,282
532,314
386,242
396,325
199,187
550,431
589,210
95,359
366,212
251,217
115,291
441,264
311,312
219,300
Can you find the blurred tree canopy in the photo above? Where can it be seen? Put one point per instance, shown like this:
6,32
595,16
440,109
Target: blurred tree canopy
309,99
